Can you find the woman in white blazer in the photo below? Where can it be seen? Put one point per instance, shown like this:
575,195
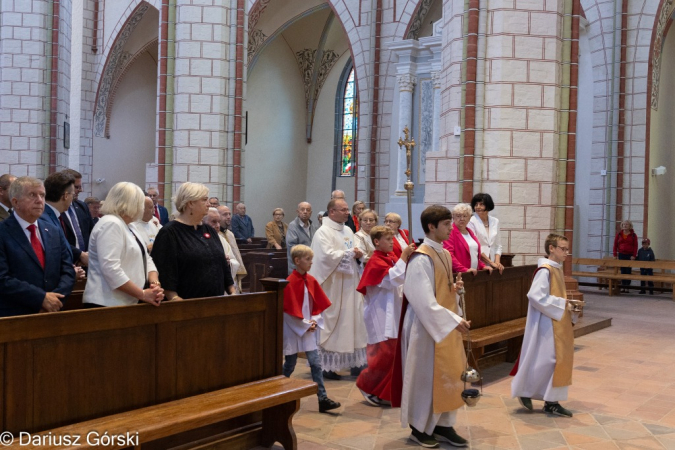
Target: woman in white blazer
486,229
120,267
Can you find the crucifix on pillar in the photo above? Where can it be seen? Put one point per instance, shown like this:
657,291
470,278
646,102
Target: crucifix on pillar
409,144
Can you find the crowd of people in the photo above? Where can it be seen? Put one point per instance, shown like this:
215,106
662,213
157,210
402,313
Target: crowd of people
362,297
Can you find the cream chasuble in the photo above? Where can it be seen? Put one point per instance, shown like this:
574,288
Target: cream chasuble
343,339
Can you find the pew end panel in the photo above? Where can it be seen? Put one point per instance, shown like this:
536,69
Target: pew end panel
67,367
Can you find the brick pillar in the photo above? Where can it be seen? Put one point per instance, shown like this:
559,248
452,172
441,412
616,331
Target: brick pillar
504,90
34,92
202,101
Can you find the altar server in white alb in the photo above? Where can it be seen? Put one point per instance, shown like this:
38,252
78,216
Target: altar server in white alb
427,383
343,339
544,368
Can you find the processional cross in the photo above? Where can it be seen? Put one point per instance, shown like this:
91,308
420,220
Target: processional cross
408,144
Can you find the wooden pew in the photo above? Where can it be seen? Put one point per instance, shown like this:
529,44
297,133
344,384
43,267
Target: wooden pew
613,276
64,368
278,398
496,305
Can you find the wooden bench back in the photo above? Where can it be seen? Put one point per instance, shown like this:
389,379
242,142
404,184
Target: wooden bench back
59,369
663,264
492,299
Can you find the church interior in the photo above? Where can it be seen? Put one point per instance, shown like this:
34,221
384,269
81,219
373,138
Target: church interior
553,107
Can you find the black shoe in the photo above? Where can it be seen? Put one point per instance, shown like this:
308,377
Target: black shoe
642,292
330,375
556,409
449,435
326,404
423,439
356,371
526,402
372,400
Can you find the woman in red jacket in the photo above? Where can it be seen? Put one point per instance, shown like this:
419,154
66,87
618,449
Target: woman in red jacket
626,247
463,244
401,237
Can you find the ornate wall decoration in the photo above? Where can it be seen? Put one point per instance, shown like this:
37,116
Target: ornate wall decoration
306,61
666,12
426,133
418,20
116,61
255,12
306,66
328,60
255,39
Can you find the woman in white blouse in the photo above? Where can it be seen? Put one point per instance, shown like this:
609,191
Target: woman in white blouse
119,264
367,219
486,229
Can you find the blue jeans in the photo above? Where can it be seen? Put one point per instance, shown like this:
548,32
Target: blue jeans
314,365
649,272
625,270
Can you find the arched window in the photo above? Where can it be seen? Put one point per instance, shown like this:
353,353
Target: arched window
346,123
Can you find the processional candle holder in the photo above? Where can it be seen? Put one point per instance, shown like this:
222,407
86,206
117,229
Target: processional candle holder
470,375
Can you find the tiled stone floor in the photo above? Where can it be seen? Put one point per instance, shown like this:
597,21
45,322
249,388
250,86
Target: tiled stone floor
623,395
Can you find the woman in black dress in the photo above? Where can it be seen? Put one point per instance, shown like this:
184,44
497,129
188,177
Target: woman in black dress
188,254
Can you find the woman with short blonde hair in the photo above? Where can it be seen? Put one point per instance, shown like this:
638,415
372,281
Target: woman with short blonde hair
401,237
626,247
463,244
190,192
119,266
368,219
188,253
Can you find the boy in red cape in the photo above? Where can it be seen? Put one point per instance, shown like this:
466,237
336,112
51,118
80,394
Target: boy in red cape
382,286
304,300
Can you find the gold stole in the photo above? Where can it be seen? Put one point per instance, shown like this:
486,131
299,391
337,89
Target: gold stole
449,356
563,335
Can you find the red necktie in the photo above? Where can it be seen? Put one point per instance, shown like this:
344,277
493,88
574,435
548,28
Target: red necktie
37,247
157,211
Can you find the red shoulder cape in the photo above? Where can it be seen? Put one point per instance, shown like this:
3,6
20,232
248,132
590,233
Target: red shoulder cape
294,295
376,269
397,247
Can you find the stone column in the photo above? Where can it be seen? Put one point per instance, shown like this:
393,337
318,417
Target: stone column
406,84
436,138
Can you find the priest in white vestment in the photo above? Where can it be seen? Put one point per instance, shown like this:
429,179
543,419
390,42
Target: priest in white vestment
427,382
343,340
544,367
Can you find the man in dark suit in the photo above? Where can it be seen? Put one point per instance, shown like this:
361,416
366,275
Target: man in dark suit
160,212
36,271
5,204
80,218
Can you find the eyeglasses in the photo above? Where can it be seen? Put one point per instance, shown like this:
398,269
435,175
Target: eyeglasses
461,216
564,249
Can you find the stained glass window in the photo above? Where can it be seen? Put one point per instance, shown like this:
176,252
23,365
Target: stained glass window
349,126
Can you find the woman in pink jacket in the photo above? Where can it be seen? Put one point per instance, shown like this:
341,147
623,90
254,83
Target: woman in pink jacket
462,244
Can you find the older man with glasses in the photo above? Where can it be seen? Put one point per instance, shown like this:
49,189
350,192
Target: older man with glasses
343,339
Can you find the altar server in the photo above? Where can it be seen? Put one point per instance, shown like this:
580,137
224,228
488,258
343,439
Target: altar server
544,368
382,288
427,381
304,301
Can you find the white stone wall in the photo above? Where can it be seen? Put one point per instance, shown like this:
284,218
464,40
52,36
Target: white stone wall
603,18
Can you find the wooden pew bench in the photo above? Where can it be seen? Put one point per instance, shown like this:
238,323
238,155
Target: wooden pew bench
278,398
511,331
612,274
